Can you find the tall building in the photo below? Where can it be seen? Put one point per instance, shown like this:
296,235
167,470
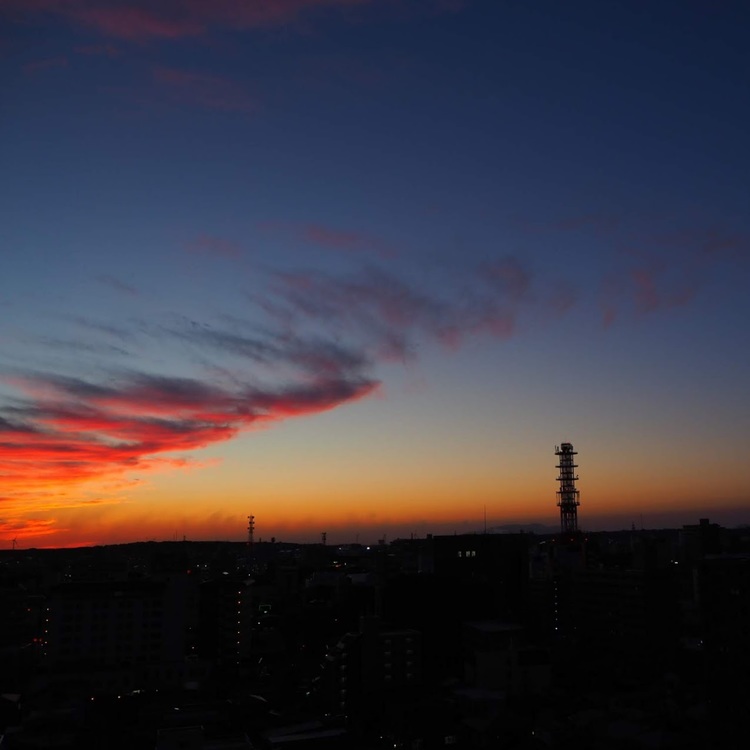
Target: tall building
124,635
364,668
486,574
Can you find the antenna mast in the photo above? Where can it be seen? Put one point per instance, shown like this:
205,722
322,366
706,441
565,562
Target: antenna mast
567,496
250,532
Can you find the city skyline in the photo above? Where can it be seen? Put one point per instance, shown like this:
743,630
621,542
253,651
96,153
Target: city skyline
358,267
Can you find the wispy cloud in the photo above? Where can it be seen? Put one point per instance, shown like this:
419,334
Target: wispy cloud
509,276
337,239
391,314
651,292
597,222
645,264
311,341
117,284
319,348
330,238
205,244
66,430
562,295
105,49
710,243
664,270
145,20
77,346
203,90
645,289
593,222
23,528
49,63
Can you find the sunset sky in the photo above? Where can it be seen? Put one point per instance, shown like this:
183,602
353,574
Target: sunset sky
357,266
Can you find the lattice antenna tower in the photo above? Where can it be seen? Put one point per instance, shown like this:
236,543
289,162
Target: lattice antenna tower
567,496
250,531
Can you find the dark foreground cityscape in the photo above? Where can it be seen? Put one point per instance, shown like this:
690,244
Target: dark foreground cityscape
630,639
627,639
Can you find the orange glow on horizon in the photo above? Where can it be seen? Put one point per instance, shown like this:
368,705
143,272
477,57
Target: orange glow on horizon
144,516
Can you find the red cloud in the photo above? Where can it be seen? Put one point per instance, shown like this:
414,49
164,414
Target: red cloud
68,430
23,528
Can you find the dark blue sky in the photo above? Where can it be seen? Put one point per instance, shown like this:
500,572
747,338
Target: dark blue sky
447,234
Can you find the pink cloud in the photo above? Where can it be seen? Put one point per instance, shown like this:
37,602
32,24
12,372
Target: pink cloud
646,289
205,244
509,277
337,239
203,90
611,295
608,315
646,296
98,50
390,315
145,20
599,223
664,270
562,296
330,238
38,66
655,290
713,243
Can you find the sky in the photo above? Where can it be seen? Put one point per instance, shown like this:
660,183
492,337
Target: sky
358,266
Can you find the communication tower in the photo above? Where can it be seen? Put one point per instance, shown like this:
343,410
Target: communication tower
567,495
250,531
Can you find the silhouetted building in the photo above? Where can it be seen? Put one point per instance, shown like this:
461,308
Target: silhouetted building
486,575
497,657
635,611
225,620
365,668
125,635
699,540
